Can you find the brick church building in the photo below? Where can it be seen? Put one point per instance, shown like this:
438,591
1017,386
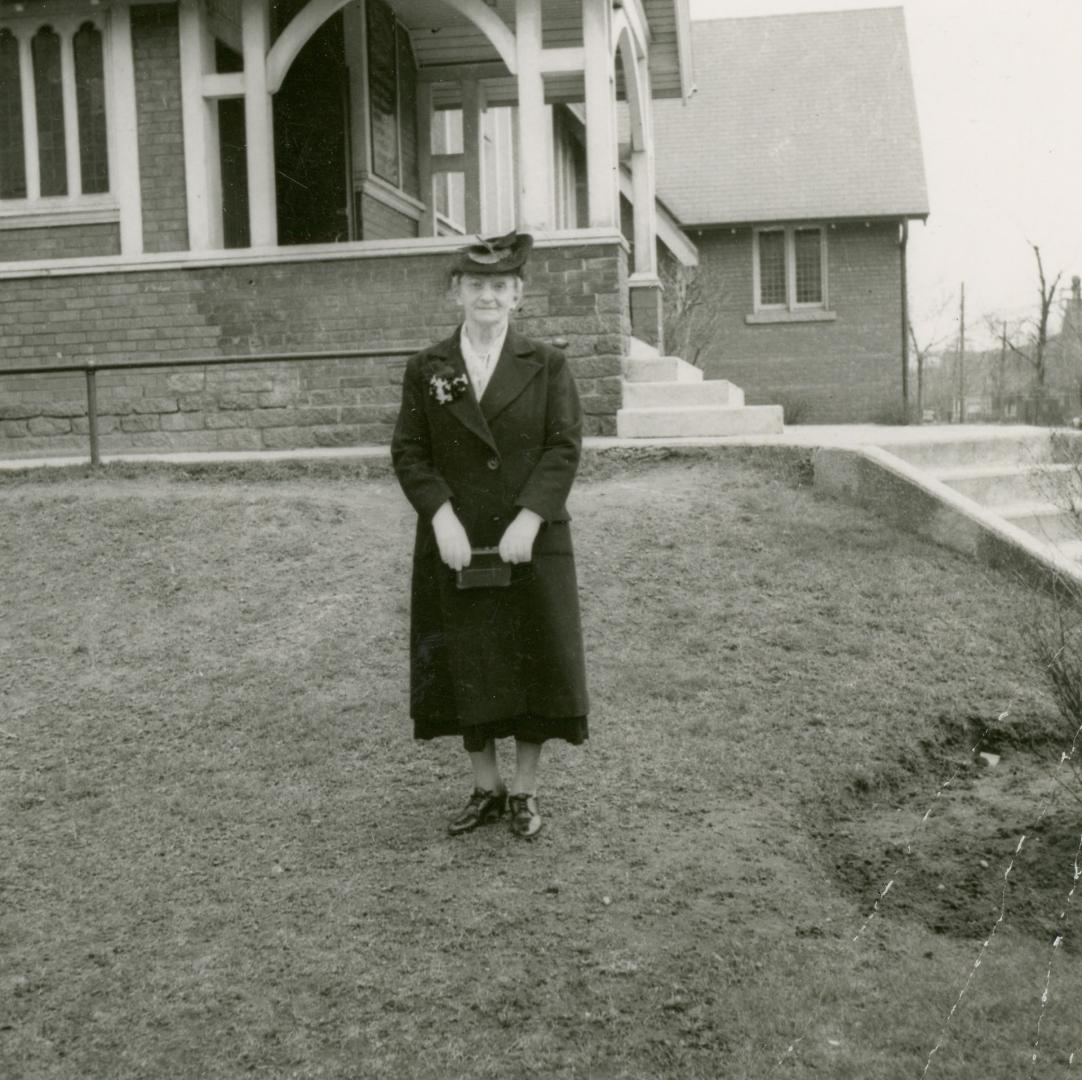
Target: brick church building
207,179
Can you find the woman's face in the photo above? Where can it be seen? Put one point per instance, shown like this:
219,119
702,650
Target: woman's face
487,299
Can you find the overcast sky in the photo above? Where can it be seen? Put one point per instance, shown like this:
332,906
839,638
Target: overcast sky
999,94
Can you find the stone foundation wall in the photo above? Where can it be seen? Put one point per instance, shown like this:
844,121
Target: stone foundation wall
575,293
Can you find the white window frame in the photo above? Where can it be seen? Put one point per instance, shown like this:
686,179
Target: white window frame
790,304
449,183
74,208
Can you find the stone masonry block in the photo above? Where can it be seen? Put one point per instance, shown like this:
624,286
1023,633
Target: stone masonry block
48,425
598,404
106,424
287,438
595,367
239,439
339,435
278,398
238,400
146,422
225,420
183,421
240,380
190,440
186,381
66,409
197,402
14,429
154,405
369,414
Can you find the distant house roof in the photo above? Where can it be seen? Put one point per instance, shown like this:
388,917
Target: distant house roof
796,117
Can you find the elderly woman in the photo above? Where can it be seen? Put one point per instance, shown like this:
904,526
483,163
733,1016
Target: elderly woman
486,449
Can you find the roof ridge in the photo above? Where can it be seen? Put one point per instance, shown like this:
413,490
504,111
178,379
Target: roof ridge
800,14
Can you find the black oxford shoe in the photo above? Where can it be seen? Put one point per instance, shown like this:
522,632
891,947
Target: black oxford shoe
525,817
483,807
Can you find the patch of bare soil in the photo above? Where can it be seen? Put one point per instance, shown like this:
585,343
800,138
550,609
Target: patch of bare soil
968,844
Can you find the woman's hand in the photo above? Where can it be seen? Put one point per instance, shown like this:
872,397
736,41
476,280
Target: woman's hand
516,544
451,537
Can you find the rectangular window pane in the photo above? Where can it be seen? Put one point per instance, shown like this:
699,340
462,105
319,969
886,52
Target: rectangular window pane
49,96
447,138
90,104
772,267
12,165
809,266
383,90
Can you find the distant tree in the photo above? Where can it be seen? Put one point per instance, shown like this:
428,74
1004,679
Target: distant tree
1034,346
1005,375
919,358
693,309
923,354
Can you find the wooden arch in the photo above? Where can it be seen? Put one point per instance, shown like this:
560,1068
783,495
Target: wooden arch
316,12
625,47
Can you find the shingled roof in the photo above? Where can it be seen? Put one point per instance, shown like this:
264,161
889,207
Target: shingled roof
796,117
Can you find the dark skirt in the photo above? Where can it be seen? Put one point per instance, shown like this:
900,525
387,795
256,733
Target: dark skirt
533,729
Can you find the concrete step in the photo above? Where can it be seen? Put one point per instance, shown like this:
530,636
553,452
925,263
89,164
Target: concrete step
638,349
660,369
656,395
995,485
1070,549
1007,449
1046,521
691,421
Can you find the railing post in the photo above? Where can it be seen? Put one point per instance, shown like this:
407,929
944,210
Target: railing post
92,412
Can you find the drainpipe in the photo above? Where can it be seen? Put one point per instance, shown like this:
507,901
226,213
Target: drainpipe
903,243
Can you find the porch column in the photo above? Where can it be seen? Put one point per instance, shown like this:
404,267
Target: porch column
602,176
472,146
644,285
30,117
643,181
72,153
259,124
533,168
427,226
202,164
124,142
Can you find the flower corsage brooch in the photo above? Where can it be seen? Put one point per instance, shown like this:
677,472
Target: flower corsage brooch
444,386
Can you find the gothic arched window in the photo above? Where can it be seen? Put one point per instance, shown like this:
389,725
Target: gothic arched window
54,141
12,165
90,104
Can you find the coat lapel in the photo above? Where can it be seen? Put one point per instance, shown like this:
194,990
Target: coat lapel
516,366
465,408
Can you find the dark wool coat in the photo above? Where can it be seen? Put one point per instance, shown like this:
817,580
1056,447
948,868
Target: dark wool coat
490,654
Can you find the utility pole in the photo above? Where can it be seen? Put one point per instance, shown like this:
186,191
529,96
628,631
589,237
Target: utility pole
962,359
1002,370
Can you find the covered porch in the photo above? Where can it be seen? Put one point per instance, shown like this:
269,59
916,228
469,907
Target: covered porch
322,121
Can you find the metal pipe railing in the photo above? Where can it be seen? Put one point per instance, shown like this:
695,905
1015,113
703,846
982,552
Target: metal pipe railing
90,369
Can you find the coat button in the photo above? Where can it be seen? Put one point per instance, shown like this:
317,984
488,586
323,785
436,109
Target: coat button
493,463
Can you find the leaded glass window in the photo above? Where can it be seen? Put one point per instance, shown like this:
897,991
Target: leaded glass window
12,149
790,267
49,97
54,137
772,288
90,105
807,246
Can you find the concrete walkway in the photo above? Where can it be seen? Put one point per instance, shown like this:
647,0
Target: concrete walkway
803,435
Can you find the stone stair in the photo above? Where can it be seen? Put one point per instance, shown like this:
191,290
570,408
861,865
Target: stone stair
1024,480
666,397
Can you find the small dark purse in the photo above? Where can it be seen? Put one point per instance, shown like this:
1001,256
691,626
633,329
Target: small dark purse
486,570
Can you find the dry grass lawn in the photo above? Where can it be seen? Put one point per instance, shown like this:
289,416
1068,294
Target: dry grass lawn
223,855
